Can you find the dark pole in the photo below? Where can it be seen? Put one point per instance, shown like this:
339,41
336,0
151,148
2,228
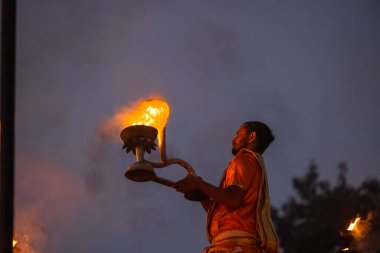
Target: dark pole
8,55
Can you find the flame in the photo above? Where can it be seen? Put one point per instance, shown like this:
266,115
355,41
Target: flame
353,224
345,249
154,112
14,242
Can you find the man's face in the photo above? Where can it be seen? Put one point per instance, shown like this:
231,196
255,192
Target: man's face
241,140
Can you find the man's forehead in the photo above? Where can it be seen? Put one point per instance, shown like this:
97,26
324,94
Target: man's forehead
242,129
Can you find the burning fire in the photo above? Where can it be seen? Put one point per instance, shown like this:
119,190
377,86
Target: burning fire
353,224
154,112
357,236
357,228
14,242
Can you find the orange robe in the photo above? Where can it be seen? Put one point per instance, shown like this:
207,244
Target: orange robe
249,227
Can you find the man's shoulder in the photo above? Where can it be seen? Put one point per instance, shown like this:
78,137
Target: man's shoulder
245,165
246,156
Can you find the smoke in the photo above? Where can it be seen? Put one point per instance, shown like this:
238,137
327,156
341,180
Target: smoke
111,126
56,213
47,197
215,49
95,176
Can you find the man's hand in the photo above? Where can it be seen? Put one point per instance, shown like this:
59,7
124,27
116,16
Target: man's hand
232,197
189,183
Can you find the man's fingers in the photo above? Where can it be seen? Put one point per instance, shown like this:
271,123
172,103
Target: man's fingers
178,185
186,184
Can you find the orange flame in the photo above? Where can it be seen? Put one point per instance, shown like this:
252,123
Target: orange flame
353,224
153,113
14,242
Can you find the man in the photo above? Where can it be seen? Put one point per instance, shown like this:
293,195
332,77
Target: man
238,211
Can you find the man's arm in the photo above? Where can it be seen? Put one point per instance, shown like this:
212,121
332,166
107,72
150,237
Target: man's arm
206,204
231,197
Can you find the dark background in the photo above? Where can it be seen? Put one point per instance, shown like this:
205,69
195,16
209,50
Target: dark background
309,69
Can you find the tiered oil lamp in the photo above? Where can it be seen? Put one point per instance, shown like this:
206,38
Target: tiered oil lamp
144,125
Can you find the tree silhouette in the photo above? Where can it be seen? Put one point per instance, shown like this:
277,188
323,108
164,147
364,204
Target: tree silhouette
312,221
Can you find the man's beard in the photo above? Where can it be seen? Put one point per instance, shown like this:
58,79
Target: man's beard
235,150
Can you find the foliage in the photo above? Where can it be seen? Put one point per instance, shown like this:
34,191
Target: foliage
311,221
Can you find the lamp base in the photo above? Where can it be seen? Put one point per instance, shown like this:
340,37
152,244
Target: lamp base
140,172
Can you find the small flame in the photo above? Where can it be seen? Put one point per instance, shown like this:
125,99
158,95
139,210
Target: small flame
14,242
353,224
345,249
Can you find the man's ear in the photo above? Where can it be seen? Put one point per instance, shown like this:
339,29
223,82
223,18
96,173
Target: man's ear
252,137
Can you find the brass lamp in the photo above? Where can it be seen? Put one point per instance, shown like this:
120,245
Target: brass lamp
146,124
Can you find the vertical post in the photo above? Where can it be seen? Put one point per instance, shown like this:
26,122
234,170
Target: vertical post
8,55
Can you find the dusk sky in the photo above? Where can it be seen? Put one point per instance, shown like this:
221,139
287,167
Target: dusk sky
309,69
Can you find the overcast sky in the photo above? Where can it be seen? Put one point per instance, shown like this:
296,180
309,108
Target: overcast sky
309,69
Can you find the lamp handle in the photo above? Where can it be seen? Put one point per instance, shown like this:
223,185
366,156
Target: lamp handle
195,195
